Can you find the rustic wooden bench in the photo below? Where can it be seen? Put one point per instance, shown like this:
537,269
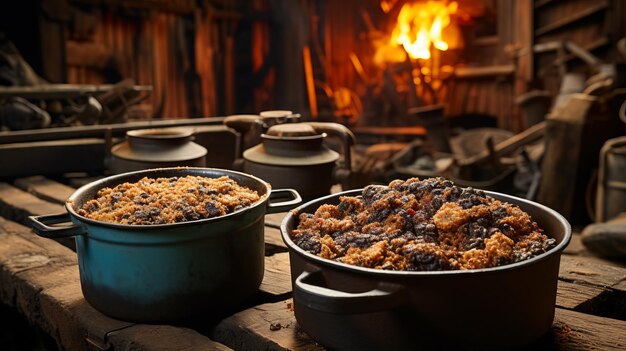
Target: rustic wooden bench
39,278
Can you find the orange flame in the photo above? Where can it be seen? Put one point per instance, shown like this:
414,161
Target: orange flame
419,25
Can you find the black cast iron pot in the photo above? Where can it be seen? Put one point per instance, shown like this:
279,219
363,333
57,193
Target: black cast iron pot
346,307
168,272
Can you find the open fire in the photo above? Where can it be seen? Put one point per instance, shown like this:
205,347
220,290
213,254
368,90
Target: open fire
420,28
410,55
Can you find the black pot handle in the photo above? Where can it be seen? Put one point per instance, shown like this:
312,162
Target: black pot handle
386,296
40,225
283,206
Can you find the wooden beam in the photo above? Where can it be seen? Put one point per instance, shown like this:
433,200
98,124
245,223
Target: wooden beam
556,25
594,45
553,46
483,72
503,148
310,80
117,129
52,157
62,91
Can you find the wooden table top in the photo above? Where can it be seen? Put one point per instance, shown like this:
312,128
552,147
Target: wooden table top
39,277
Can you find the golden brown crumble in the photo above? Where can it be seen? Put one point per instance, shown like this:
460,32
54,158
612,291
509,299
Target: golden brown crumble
168,200
421,225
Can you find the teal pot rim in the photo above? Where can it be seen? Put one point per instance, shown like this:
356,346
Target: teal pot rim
80,195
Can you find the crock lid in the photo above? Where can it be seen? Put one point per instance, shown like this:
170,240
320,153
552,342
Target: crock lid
259,154
291,130
159,145
177,153
175,133
276,113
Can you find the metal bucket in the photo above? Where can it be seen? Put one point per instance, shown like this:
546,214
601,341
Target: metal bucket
611,194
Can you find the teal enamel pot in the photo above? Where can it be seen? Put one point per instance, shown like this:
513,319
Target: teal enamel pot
168,272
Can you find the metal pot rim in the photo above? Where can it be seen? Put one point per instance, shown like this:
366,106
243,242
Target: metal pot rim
161,133
293,138
120,178
387,273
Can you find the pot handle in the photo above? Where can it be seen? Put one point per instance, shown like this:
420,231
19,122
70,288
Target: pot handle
283,206
342,132
384,297
40,225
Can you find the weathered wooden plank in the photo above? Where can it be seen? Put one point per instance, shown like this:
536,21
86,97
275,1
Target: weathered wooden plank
570,295
273,327
69,319
274,238
269,326
277,278
577,331
576,249
45,188
161,337
587,271
575,246
621,286
29,251
275,219
18,205
40,278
